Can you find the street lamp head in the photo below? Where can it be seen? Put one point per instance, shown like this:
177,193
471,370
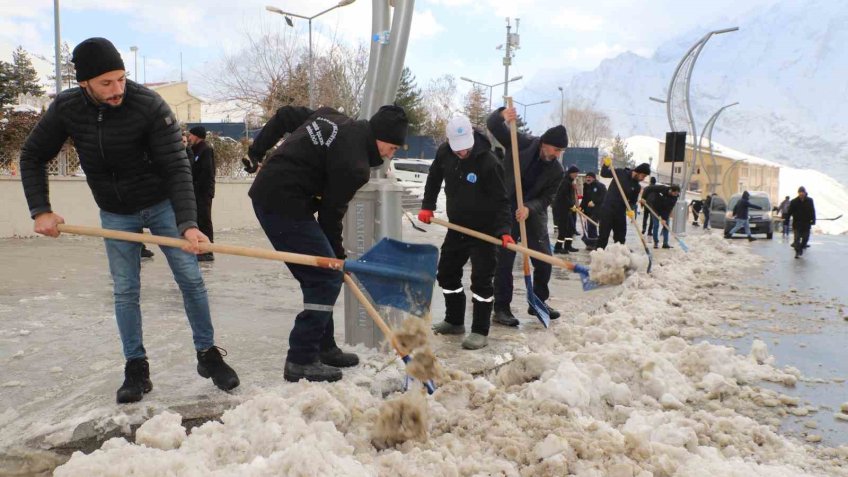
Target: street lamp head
463,78
273,9
656,100
559,88
289,21
345,3
133,49
516,78
545,101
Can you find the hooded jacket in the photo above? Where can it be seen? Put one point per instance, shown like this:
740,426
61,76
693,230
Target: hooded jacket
540,179
132,154
318,168
740,210
474,186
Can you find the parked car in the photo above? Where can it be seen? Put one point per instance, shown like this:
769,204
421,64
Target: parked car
411,170
760,220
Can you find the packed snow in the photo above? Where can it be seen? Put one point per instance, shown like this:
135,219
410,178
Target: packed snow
619,391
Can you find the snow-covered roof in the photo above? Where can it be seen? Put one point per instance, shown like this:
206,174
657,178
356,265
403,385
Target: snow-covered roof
647,146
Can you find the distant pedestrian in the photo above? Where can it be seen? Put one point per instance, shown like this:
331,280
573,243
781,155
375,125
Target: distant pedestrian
565,199
803,214
740,213
783,208
708,206
203,175
696,206
662,199
647,217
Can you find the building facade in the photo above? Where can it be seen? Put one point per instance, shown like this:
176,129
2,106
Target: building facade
186,107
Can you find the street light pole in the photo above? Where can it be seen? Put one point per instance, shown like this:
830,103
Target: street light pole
311,85
491,86
528,105
561,105
708,131
511,44
57,47
134,49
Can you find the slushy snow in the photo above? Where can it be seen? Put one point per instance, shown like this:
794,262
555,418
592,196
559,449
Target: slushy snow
622,391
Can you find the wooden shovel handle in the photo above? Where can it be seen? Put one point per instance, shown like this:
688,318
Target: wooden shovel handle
296,258
515,248
629,209
374,314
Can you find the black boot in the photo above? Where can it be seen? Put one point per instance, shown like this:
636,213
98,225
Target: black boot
569,247
455,308
146,252
503,316
481,316
136,381
317,371
551,312
206,257
558,247
338,358
210,364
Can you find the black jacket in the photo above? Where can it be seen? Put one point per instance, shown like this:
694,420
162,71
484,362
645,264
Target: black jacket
659,198
740,210
803,212
203,170
594,193
564,200
474,186
318,168
613,203
540,179
132,155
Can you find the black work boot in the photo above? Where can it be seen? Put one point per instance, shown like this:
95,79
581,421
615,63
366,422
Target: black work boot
146,252
136,381
551,312
569,247
482,318
503,316
338,358
206,257
316,372
210,364
558,247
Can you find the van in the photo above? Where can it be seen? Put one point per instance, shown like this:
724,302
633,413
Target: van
760,220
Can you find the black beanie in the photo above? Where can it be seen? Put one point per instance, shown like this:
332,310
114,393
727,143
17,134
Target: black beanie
572,168
592,175
802,189
198,131
96,56
556,136
643,168
390,124
653,180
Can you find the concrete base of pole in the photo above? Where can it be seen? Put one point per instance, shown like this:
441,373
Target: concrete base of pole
680,216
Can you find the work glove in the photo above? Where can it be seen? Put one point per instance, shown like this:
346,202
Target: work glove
607,161
631,214
250,166
425,215
507,239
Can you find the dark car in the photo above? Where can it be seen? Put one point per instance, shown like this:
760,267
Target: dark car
760,220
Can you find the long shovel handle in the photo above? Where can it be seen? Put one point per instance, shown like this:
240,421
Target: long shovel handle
378,320
515,248
593,222
516,169
632,219
661,221
296,258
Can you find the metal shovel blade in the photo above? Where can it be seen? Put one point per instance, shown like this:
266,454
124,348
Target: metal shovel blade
398,274
537,304
583,271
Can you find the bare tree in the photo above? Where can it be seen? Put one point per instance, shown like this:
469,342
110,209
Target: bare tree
439,100
587,127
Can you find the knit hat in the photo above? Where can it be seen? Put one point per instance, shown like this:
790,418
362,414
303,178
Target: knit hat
643,168
572,168
556,136
96,56
592,175
198,131
802,189
390,125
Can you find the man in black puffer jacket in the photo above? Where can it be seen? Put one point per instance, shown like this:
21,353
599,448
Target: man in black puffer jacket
130,150
202,160
318,168
541,174
476,198
614,212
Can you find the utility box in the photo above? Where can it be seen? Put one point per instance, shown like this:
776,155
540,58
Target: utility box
374,213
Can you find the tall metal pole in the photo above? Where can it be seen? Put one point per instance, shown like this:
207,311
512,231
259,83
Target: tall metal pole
311,71
708,132
561,106
57,47
507,60
134,49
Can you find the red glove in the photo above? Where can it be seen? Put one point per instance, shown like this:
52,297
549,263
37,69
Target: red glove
507,239
425,215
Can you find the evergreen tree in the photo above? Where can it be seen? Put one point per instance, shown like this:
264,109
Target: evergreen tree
24,76
410,99
621,157
521,125
476,106
7,96
69,72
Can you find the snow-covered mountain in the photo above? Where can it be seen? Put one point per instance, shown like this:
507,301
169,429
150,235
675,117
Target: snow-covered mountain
785,65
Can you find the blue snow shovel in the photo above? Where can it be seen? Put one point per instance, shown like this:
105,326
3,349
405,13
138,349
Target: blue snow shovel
662,222
534,301
394,273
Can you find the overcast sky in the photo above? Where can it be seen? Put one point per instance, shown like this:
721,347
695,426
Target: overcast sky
458,37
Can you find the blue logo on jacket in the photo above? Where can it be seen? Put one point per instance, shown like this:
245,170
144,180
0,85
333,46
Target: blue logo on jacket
471,177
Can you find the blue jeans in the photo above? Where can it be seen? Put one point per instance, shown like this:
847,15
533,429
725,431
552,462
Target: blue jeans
740,223
125,267
655,228
313,327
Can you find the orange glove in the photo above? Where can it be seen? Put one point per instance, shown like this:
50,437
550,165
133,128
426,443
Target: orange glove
507,239
425,215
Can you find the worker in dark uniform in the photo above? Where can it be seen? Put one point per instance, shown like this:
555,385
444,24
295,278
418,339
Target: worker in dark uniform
614,213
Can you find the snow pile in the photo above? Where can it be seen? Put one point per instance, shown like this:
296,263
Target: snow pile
610,266
616,392
164,431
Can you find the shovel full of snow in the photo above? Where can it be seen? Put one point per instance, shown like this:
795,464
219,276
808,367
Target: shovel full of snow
395,273
581,270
